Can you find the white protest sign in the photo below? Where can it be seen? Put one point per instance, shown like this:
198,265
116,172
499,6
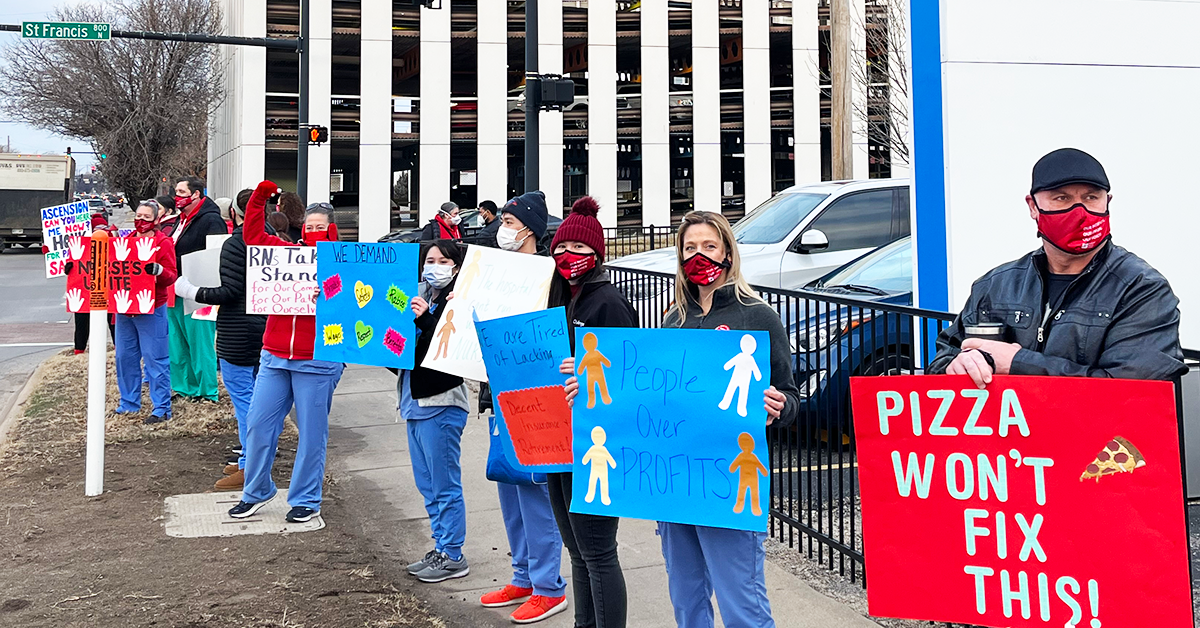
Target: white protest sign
59,224
203,268
493,284
281,280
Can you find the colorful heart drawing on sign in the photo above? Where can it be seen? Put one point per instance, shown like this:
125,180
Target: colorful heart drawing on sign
364,333
394,341
363,294
332,287
397,298
383,334
669,425
533,420
281,280
333,334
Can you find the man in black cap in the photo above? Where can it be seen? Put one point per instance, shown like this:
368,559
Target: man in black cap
1079,306
523,223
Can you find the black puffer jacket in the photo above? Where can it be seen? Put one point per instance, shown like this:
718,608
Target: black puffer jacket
239,335
193,235
428,382
1118,319
598,304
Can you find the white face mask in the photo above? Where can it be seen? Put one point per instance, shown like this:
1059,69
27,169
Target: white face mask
454,220
438,275
506,237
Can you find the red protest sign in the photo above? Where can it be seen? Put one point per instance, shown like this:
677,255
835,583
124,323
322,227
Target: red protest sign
539,421
130,287
79,280
1038,502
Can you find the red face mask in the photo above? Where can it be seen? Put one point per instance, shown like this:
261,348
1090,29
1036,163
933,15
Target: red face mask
572,265
311,238
1074,230
143,226
702,270
181,202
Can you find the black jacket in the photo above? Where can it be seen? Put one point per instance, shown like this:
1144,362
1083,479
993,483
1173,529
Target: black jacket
1118,319
428,382
487,235
193,236
239,335
753,315
598,304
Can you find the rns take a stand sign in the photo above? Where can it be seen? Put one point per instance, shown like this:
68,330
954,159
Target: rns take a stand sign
1050,502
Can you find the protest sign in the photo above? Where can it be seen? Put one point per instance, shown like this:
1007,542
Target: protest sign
1036,502
669,425
492,283
130,286
522,354
59,224
80,280
362,314
281,280
203,269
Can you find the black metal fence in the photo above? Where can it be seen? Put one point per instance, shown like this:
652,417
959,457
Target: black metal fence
618,241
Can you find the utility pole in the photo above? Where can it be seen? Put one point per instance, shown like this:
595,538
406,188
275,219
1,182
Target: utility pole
533,97
841,129
302,106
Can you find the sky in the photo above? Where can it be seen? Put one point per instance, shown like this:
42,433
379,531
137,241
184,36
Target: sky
25,138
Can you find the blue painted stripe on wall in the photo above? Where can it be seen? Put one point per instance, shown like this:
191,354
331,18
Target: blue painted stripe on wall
929,176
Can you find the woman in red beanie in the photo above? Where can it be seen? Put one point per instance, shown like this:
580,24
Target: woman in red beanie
583,287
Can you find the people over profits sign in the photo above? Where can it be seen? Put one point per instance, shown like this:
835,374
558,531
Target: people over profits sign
1037,501
281,280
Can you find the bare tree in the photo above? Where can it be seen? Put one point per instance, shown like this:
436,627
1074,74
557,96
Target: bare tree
145,104
882,71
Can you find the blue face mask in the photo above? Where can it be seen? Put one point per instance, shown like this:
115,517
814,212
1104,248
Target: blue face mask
438,275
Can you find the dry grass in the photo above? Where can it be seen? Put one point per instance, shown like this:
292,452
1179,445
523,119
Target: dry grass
404,610
53,422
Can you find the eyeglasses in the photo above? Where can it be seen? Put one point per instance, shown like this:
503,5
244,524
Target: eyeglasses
325,206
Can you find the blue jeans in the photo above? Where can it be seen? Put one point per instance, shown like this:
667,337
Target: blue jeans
144,337
700,559
533,538
435,447
239,381
310,384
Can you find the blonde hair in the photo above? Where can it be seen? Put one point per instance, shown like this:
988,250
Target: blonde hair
733,275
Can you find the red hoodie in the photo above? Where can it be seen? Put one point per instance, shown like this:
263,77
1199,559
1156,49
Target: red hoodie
287,337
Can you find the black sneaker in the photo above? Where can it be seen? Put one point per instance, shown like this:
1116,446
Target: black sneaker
300,514
245,509
154,418
232,459
443,568
416,567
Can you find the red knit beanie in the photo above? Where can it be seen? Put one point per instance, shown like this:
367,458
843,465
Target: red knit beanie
582,226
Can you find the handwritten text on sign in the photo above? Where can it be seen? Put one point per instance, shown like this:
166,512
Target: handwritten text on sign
281,280
59,224
523,354
1036,502
669,425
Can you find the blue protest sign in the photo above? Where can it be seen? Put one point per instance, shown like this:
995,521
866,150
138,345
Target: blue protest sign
522,354
669,425
362,314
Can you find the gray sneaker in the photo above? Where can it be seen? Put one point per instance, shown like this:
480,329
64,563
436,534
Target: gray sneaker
442,568
420,565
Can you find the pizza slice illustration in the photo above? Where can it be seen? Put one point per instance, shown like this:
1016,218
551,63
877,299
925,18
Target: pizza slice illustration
1118,456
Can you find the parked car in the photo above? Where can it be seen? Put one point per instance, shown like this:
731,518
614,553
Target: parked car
99,206
345,213
833,342
471,223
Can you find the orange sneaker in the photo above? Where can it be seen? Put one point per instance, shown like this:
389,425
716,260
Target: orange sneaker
507,596
539,607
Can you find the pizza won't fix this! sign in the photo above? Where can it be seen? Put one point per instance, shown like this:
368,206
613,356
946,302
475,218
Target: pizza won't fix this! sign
1038,501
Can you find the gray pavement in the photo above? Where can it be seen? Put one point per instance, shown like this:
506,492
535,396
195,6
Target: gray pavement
368,446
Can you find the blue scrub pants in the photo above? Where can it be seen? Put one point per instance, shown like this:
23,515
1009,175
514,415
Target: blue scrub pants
239,382
700,559
435,447
533,538
137,338
310,384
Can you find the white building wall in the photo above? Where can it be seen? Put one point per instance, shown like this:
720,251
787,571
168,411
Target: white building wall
806,92
987,83
550,61
320,68
706,106
858,91
492,90
602,107
375,122
656,130
756,101
435,110
237,144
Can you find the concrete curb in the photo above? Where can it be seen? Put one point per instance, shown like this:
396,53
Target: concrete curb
17,401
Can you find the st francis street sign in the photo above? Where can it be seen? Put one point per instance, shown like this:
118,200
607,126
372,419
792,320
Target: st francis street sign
65,30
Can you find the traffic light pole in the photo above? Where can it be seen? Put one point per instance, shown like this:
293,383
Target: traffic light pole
533,98
302,105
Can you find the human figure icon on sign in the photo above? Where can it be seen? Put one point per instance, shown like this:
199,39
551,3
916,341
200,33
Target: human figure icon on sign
744,367
468,275
747,466
600,460
444,334
592,366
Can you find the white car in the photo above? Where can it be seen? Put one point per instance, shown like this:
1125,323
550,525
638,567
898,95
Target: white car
805,231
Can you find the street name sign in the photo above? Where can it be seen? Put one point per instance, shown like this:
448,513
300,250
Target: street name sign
87,31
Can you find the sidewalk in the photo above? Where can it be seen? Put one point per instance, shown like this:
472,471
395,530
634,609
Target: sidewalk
367,446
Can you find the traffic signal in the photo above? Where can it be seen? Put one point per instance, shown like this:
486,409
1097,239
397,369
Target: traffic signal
318,134
103,156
